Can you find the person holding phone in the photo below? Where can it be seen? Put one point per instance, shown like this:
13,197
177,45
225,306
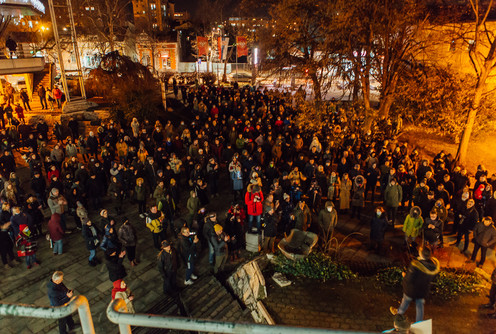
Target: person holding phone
59,294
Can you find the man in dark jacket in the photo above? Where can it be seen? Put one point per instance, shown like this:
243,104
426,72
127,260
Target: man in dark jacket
91,235
469,217
59,295
167,266
114,264
187,250
270,231
484,238
417,281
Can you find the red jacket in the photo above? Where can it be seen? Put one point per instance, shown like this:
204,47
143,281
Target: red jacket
54,228
254,208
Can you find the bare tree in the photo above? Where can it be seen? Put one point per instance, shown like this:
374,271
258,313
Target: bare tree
106,18
480,38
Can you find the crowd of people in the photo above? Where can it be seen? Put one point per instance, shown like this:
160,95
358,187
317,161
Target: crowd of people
280,177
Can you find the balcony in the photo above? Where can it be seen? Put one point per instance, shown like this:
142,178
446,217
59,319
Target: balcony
21,63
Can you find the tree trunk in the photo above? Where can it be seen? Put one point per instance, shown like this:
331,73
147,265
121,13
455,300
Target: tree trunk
386,103
316,87
461,154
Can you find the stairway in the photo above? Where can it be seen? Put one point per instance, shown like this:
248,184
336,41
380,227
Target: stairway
42,78
206,299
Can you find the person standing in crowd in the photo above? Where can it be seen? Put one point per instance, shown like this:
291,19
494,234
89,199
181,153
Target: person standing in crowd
378,226
219,243
140,193
129,239
27,246
393,195
167,266
468,219
154,222
187,250
58,204
417,281
114,258
6,245
122,291
59,294
484,238
42,95
254,202
91,235
270,230
412,226
56,233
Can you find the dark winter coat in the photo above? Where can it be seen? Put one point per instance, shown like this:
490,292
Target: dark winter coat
470,218
378,227
419,276
485,235
187,248
270,225
91,236
115,268
167,263
57,293
127,235
219,245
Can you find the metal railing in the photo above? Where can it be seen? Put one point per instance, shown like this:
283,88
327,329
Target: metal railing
116,313
77,303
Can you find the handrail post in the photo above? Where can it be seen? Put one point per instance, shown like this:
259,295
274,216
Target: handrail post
79,303
120,306
85,316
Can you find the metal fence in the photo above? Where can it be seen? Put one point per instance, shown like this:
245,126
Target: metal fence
77,303
116,313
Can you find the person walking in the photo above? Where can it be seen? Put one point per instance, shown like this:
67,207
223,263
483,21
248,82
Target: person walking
416,283
56,233
167,266
59,294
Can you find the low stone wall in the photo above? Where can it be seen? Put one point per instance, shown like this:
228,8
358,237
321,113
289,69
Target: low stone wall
248,284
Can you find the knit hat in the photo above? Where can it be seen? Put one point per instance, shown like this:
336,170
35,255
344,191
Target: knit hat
217,228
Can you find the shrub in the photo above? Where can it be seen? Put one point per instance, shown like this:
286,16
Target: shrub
447,284
316,266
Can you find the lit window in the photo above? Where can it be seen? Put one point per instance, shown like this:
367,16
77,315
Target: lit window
155,25
144,12
153,6
92,8
30,24
87,8
453,46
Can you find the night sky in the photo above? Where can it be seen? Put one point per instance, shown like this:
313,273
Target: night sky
188,5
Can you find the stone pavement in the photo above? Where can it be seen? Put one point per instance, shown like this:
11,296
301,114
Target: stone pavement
363,305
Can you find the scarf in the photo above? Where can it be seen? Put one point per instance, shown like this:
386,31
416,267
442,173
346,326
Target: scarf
117,288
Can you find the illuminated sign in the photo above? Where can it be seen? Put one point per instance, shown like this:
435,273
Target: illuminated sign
36,4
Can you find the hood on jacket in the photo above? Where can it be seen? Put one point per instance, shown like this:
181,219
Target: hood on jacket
415,212
52,192
431,267
24,231
328,203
